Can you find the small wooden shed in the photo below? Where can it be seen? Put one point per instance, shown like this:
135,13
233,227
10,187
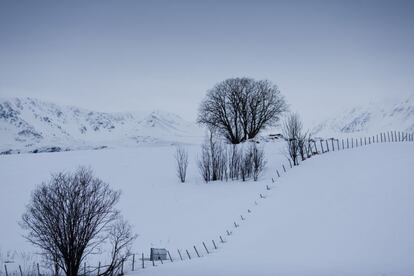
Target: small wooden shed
158,254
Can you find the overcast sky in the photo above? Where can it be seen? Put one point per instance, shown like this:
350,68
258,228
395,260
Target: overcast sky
145,55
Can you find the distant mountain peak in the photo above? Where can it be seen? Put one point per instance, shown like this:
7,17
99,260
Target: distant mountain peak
369,119
28,123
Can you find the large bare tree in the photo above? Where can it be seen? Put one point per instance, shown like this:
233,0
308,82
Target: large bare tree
69,217
239,108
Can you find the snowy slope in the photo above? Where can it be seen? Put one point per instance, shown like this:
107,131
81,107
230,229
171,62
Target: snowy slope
370,119
28,124
342,213
346,213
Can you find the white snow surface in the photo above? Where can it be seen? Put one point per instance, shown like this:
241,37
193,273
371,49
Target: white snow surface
342,213
369,119
28,124
163,211
346,213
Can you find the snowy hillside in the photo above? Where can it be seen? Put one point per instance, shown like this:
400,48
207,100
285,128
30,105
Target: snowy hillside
28,124
370,119
346,213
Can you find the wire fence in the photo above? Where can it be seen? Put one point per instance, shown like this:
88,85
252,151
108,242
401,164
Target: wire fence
138,261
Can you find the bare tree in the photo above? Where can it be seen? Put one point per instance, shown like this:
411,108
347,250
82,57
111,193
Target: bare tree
292,131
234,163
302,144
67,218
121,238
204,164
258,161
181,157
240,108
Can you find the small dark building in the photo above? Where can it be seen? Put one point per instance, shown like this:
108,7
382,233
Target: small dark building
158,254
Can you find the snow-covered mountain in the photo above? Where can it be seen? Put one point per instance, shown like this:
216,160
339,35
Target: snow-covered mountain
370,119
32,125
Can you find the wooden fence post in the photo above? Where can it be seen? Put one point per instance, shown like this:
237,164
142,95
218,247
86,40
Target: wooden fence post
356,142
337,143
20,269
38,269
169,255
327,145
153,263
290,163
5,269
133,262
342,143
179,253
99,268
189,257
333,146
284,168
221,240
122,267
143,261
215,246
347,143
84,268
206,248
196,251
322,146
316,148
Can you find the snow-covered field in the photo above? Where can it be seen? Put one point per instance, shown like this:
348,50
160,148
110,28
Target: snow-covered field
164,212
342,213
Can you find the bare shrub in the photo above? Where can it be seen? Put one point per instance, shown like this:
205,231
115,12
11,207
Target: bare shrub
258,161
292,131
222,162
213,164
68,218
120,238
181,157
235,159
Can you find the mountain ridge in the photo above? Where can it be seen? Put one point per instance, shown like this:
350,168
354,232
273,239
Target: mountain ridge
370,119
33,125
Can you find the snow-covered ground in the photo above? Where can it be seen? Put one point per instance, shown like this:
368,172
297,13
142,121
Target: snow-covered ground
164,212
342,213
